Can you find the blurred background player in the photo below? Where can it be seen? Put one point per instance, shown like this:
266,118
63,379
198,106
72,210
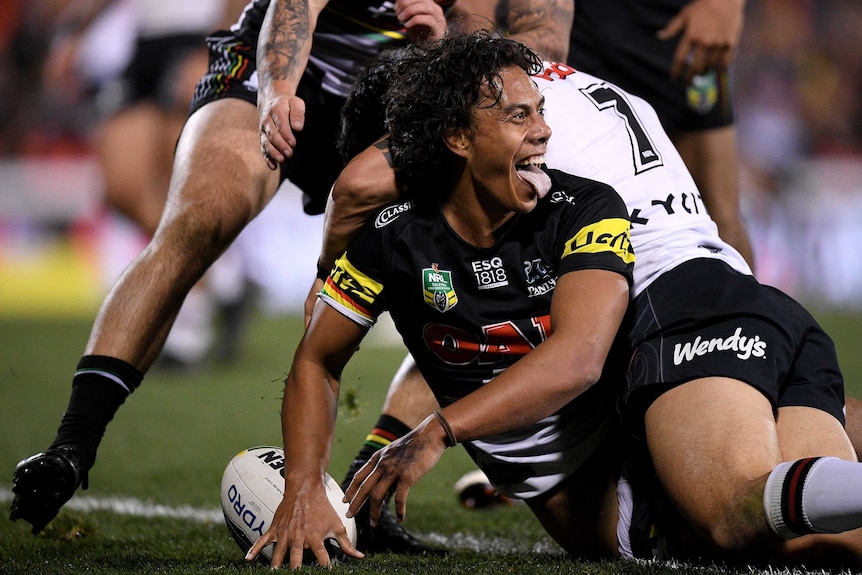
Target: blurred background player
140,112
260,74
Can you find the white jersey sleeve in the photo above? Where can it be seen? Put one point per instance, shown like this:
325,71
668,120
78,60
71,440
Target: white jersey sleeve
604,133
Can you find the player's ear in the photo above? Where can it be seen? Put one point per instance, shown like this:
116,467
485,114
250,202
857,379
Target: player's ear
458,141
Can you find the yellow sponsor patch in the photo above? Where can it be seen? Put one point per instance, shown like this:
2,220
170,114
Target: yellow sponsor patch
610,235
355,284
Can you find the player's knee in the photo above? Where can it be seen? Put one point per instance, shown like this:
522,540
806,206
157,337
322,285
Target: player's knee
737,532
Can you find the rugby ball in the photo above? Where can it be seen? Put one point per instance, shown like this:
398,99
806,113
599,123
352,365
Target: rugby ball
252,488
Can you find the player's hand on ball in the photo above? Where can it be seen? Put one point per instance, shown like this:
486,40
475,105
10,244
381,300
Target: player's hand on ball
304,521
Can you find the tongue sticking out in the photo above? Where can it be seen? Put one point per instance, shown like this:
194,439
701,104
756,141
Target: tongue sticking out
536,178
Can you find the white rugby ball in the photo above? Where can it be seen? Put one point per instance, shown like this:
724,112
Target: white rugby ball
252,488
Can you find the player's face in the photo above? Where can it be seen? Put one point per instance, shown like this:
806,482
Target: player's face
509,144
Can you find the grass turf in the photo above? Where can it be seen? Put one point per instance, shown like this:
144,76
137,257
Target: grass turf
170,442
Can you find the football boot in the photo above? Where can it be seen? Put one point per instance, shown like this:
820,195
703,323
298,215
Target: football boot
44,482
389,535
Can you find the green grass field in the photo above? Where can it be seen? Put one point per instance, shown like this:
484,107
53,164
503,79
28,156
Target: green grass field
155,487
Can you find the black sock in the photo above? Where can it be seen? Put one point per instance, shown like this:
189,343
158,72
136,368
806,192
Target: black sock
100,386
387,430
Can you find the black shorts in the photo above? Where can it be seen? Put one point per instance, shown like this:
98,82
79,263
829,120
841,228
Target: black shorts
151,74
704,319
616,41
315,163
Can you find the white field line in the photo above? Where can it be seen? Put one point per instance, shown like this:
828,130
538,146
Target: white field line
134,507
464,541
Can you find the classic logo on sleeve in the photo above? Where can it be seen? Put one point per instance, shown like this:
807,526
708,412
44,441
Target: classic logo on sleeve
437,288
610,235
351,289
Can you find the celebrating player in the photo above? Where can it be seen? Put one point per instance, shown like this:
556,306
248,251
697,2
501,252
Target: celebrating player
769,403
469,138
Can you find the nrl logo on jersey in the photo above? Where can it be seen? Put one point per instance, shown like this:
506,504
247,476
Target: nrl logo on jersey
437,288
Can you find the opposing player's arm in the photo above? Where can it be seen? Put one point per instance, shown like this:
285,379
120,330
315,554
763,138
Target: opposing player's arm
543,25
283,48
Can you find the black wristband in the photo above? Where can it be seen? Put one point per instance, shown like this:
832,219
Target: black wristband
450,437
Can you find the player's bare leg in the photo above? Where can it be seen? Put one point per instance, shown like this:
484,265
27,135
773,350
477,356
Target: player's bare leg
711,157
219,184
720,453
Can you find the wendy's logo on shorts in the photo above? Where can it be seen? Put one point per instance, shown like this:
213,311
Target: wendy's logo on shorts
745,347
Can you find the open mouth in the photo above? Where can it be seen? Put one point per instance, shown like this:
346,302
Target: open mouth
530,172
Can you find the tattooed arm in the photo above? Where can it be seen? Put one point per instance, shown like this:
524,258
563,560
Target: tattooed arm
282,55
543,25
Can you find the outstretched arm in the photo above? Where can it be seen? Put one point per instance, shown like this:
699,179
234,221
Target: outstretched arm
586,312
305,518
282,55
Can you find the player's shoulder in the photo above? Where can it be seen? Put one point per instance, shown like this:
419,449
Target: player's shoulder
571,189
395,217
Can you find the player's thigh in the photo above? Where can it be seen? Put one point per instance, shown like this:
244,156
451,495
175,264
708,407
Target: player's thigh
126,148
854,423
711,157
219,170
811,432
711,439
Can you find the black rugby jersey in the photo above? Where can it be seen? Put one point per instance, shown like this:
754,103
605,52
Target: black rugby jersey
348,35
467,313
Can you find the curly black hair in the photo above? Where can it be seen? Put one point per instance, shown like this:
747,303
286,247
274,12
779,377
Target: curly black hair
363,115
436,87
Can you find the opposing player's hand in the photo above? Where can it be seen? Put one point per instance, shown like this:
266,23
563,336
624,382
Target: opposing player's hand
400,465
304,520
710,32
279,119
422,19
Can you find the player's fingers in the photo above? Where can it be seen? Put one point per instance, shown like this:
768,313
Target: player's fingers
401,494
683,57
359,478
278,553
377,499
296,116
320,554
296,554
269,153
347,546
258,546
673,28
356,495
